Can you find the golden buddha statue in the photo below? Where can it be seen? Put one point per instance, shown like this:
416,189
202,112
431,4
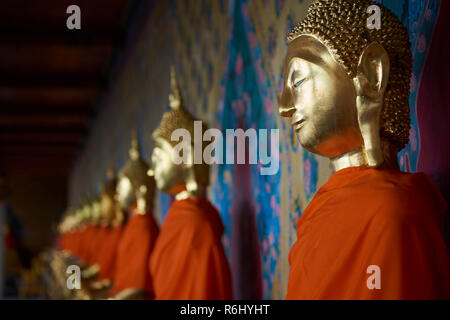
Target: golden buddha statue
63,225
110,212
67,228
74,218
135,192
363,119
192,230
183,180
88,239
72,229
135,185
95,211
87,217
367,232
80,225
111,224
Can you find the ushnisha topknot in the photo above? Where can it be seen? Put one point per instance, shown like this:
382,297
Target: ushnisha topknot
109,187
179,118
136,168
341,25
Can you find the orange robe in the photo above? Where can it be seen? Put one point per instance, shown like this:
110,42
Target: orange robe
189,261
95,245
107,256
72,242
69,242
133,255
366,217
64,242
86,237
78,237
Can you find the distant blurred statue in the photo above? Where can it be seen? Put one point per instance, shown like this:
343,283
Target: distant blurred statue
189,260
112,218
135,193
111,222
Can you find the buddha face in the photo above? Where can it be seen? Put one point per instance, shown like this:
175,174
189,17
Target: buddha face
320,99
107,208
95,211
125,193
86,213
169,177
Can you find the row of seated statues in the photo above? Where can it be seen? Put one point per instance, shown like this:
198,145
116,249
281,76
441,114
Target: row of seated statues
371,232
116,240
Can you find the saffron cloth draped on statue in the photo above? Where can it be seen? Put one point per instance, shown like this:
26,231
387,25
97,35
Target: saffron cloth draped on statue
108,254
87,235
133,255
65,241
368,217
94,243
189,261
74,242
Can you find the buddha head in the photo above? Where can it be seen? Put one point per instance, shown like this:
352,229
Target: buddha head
64,223
83,216
68,220
75,219
108,203
95,211
346,86
170,177
135,185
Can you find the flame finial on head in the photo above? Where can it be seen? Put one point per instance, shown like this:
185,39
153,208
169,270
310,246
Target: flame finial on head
134,149
111,171
178,117
175,98
135,168
109,186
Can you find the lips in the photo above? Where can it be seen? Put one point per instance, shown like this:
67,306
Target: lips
298,124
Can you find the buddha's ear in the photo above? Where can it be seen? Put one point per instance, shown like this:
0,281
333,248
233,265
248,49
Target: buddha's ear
373,71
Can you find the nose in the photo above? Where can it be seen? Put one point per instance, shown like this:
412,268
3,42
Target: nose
286,106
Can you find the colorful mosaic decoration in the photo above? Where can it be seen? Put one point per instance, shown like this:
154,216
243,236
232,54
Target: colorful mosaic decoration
420,18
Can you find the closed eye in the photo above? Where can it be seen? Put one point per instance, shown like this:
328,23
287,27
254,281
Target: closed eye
297,84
